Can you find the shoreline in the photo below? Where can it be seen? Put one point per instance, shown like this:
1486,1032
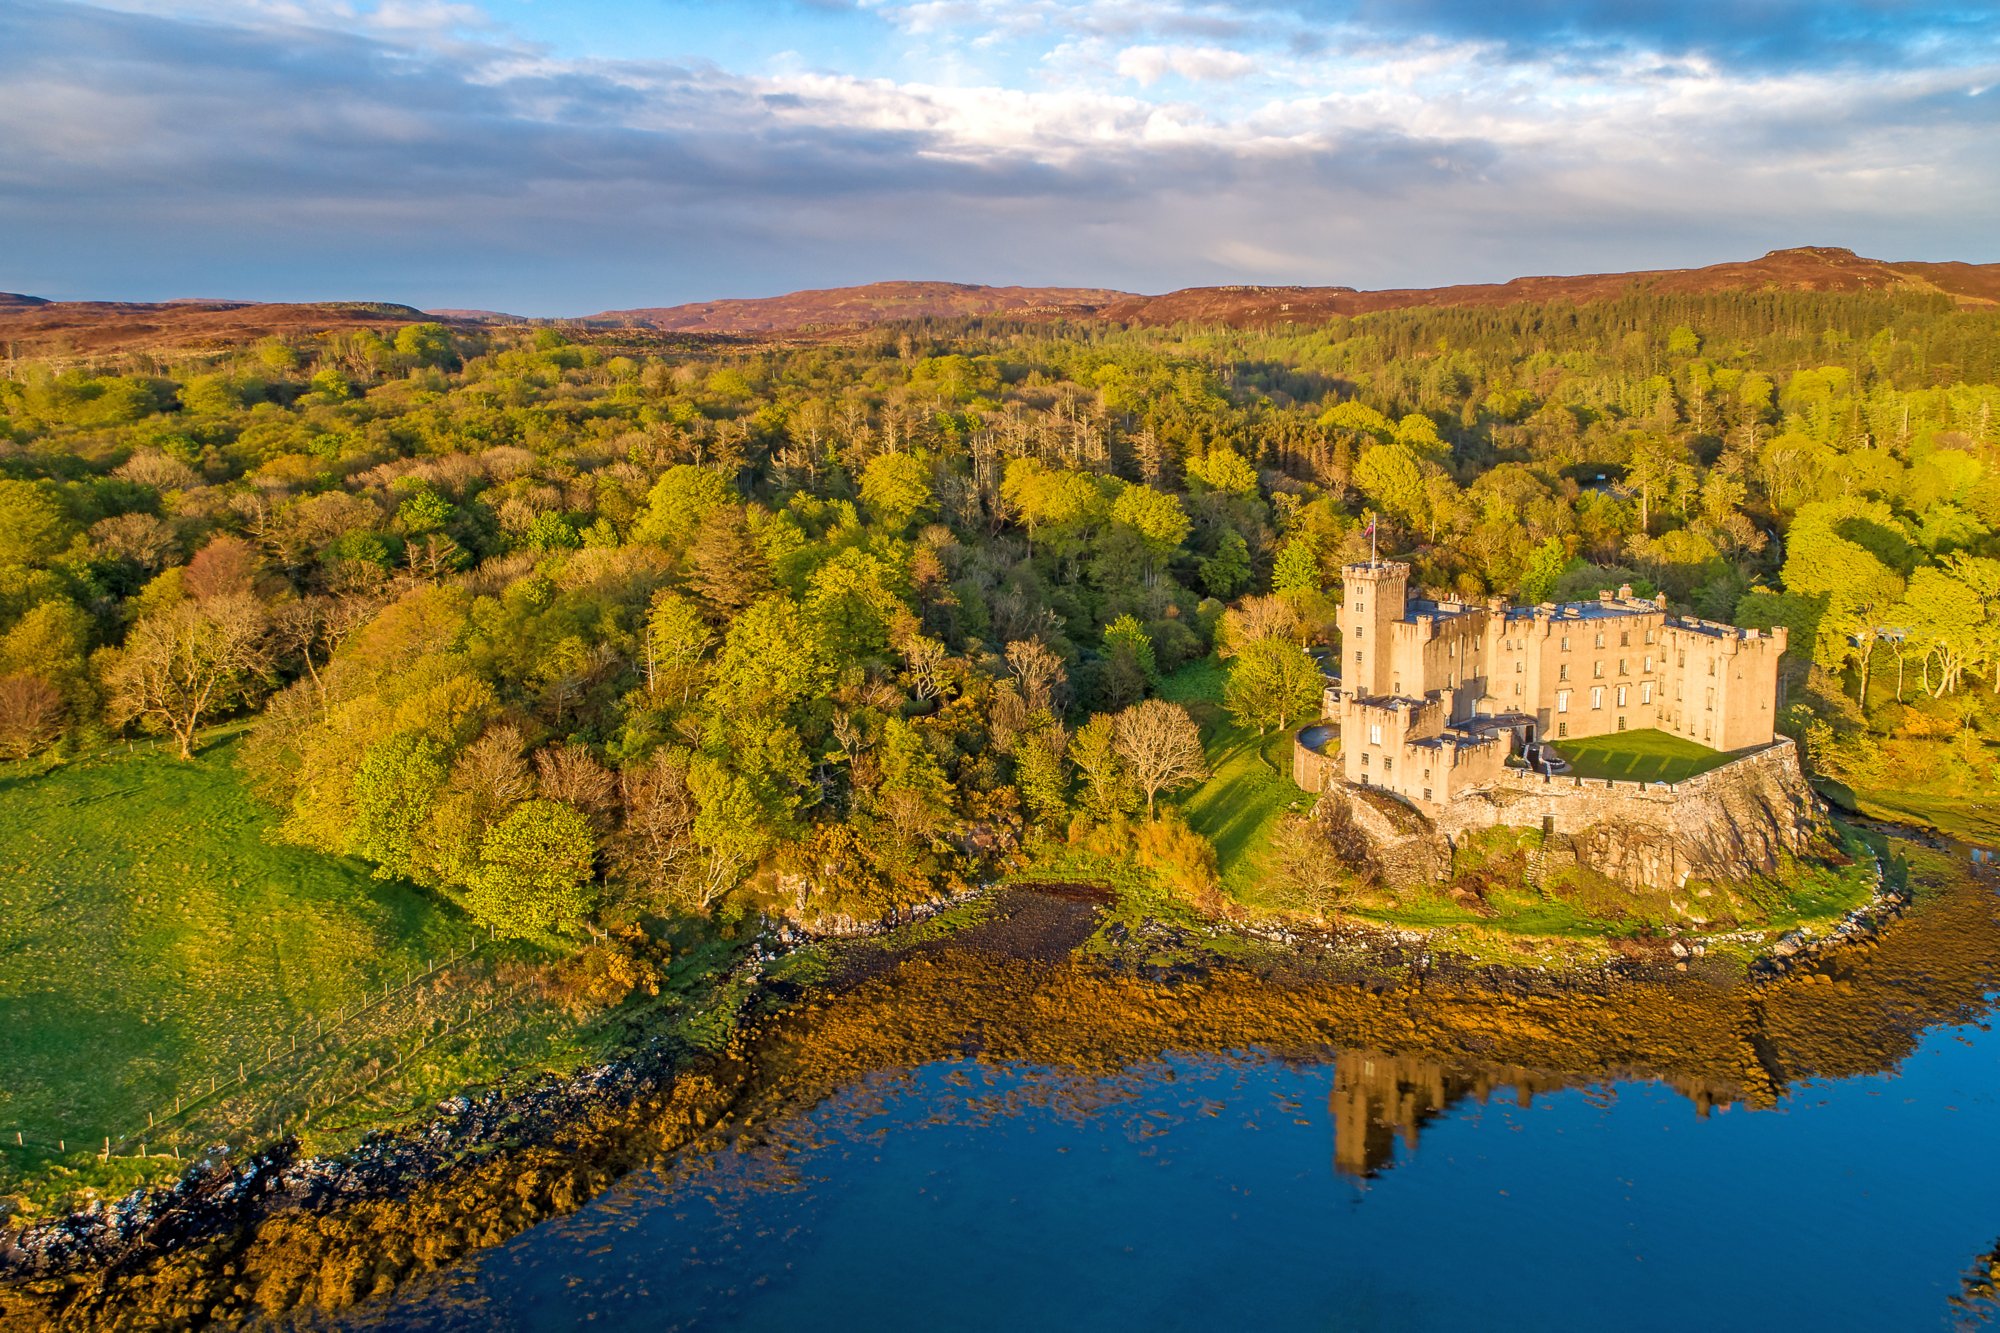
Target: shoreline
225,1198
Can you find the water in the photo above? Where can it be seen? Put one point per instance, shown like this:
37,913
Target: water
1354,1192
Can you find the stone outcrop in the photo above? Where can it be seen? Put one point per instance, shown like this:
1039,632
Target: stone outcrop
1406,848
1727,825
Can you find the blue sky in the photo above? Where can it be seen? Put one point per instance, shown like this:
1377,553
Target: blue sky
552,157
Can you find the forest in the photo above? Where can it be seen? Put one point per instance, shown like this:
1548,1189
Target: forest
582,634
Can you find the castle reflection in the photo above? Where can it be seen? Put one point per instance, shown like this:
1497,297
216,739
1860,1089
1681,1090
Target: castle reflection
1380,1100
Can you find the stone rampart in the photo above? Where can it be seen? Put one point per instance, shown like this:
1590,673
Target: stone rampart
1726,824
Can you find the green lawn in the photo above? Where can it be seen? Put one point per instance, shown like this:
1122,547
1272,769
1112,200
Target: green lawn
1639,756
1250,786
153,936
1974,819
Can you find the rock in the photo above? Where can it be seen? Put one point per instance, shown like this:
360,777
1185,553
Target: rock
1724,826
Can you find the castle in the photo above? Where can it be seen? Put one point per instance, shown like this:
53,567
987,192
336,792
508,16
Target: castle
1436,696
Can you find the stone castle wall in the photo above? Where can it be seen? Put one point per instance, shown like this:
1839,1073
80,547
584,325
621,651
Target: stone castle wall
1726,824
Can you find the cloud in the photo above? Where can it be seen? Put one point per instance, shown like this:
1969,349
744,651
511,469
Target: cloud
263,150
1199,64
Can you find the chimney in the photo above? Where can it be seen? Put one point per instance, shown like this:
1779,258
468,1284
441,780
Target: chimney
1604,594
1624,592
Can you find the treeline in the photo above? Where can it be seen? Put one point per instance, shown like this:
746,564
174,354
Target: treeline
562,631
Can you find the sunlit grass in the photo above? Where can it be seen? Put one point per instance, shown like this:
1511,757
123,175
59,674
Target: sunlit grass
152,936
1250,786
1639,756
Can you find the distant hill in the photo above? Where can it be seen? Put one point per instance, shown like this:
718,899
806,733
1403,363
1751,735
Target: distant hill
32,326
1807,269
1810,268
874,303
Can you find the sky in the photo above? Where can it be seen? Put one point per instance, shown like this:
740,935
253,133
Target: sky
560,157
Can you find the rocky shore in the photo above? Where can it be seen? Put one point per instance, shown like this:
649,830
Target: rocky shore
485,1166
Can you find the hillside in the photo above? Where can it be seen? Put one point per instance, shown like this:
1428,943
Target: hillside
1809,268
873,303
30,326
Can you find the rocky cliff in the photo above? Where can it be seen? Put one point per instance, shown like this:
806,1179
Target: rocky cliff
1727,825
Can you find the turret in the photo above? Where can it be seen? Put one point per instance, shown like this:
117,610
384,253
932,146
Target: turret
1376,594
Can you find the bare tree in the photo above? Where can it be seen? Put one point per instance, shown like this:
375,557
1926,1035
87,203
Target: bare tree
188,662
1041,675
1161,747
31,715
569,773
1324,856
315,627
143,539
655,845
925,658
1257,618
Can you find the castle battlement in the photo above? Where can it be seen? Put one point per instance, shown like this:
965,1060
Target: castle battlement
1436,693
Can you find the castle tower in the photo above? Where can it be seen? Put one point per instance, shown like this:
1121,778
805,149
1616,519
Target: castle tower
1375,595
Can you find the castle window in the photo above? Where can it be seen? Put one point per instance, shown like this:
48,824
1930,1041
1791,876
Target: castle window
1597,671
1565,643
1649,636
1625,638
1646,693
1520,665
1597,697
1562,728
1357,657
1600,639
1375,733
1621,724
1388,763
1562,701
1562,672
1710,705
1711,666
1684,657
1621,667
1517,689
1360,630
1427,793
1649,664
1621,698
1364,758
1358,608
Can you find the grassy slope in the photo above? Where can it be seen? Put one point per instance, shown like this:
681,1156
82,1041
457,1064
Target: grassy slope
1640,756
152,937
1250,787
1972,819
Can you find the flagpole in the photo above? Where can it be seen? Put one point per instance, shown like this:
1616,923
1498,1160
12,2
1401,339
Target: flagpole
1373,538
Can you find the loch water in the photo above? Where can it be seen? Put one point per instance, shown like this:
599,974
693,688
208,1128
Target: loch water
1357,1191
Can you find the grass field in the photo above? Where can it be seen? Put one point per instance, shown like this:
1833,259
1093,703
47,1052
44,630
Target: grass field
1250,786
1639,756
1975,820
152,937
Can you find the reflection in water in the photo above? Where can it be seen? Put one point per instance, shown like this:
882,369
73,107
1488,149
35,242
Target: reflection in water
1978,1299
1194,1193
1379,1099
965,1137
